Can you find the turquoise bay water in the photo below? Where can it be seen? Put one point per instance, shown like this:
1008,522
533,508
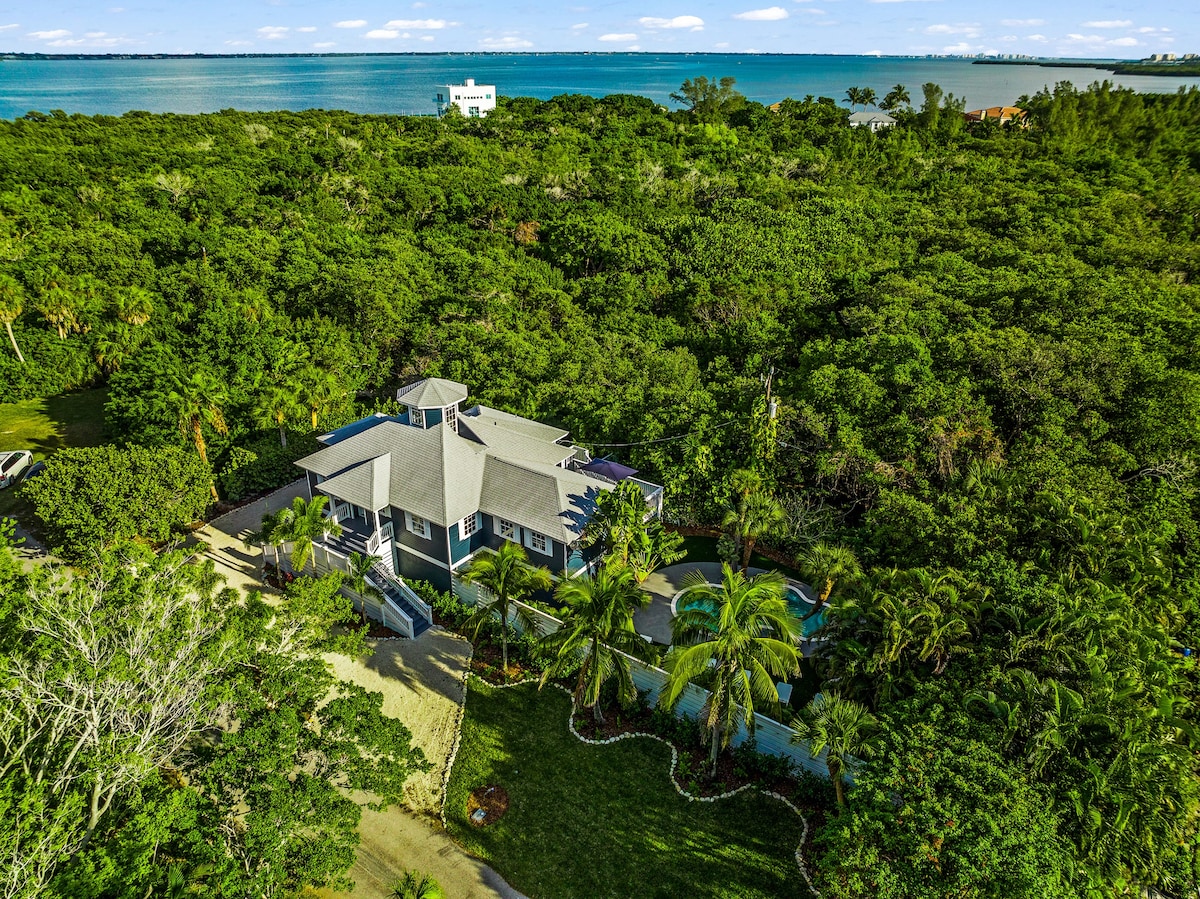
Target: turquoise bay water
407,84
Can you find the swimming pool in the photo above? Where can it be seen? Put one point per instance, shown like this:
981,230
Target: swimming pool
799,604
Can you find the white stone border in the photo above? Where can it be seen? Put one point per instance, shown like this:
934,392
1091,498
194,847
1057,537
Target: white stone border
799,855
462,709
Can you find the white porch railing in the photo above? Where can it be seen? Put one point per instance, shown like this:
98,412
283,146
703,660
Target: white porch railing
409,594
390,614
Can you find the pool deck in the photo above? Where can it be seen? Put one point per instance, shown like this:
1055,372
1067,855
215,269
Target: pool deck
654,621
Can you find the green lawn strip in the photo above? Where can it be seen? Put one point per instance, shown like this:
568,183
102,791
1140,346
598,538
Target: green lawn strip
592,821
46,425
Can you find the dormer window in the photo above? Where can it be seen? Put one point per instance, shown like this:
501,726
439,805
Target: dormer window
416,417
450,417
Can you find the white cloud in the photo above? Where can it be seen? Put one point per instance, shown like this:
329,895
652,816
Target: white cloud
96,34
873,53
1124,42
960,47
579,26
1009,38
239,43
425,37
1085,38
1109,23
272,32
56,34
382,34
1022,23
419,5
1145,29
967,29
8,27
617,37
420,24
770,14
722,45
350,23
307,29
324,45
695,23
1038,38
508,42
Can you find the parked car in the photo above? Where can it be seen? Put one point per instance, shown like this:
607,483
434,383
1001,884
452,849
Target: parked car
33,471
12,464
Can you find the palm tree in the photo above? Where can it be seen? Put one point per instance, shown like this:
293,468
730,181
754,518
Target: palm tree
416,885
306,523
598,635
754,513
854,96
133,305
867,97
507,575
360,566
272,533
319,390
55,302
743,636
898,96
825,565
275,407
12,301
197,401
115,344
843,728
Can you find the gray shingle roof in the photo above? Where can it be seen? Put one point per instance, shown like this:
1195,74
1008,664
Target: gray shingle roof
553,501
445,476
498,419
432,393
367,485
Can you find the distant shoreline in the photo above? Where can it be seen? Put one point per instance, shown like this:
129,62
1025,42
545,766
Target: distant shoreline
18,57
1128,67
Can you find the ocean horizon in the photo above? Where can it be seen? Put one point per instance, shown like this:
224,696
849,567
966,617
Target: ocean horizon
405,83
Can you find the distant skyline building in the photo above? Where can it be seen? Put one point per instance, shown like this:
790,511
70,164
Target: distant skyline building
473,100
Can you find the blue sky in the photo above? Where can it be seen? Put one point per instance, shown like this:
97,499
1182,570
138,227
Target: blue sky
1048,28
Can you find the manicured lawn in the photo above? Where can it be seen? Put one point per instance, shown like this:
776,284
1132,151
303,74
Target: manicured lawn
46,425
594,821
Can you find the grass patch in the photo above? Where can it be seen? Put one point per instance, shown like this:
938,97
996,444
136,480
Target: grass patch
46,425
593,821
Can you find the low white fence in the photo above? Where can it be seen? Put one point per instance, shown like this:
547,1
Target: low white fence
771,737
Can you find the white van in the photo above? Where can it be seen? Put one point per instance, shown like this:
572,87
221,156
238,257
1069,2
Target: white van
12,464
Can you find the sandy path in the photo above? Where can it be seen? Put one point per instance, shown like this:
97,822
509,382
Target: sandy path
422,685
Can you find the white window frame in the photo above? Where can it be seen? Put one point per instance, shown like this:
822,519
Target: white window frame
417,525
533,537
506,529
416,417
450,417
469,525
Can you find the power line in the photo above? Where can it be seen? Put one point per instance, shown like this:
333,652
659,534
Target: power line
660,439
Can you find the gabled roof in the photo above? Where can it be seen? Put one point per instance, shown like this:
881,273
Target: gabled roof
513,444
367,485
553,501
868,117
432,393
498,419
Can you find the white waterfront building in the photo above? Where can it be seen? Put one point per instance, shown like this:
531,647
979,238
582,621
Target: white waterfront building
473,100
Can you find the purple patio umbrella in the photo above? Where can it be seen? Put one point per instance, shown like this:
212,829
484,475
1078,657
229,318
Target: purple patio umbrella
609,469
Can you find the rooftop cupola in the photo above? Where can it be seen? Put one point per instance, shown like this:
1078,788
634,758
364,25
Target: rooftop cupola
432,401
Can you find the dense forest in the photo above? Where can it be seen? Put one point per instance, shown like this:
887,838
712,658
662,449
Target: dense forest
968,353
